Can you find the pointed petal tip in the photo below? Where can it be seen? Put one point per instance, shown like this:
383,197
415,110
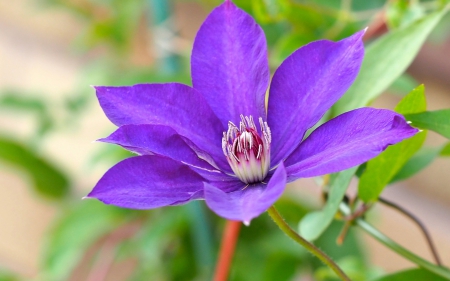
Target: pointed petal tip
246,223
360,34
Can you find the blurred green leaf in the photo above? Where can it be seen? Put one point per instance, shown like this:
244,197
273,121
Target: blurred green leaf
267,11
417,274
353,266
437,121
315,223
403,84
446,150
368,5
418,162
402,12
18,102
311,21
46,178
8,276
385,61
164,247
351,246
383,168
74,233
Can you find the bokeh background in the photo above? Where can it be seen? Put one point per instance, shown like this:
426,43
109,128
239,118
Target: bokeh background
51,51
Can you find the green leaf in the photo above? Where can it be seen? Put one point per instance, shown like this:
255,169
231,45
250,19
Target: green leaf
446,150
437,121
417,274
385,60
315,223
414,102
418,162
383,168
46,178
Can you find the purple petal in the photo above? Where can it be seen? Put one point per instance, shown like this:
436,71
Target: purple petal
156,139
175,105
346,141
244,205
146,182
306,85
229,64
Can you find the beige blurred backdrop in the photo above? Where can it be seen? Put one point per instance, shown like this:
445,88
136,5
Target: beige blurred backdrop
36,55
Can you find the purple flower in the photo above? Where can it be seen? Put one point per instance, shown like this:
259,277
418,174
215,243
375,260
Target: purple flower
218,141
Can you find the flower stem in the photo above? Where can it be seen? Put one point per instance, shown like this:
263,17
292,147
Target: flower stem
229,240
278,219
438,270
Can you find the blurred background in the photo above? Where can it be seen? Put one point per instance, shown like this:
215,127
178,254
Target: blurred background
51,51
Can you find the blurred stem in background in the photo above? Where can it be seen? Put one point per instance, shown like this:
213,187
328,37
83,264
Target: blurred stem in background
383,239
161,22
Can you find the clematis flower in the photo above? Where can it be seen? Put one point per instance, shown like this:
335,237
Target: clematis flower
219,142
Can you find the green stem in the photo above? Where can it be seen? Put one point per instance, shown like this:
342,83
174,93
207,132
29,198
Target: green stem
278,219
383,239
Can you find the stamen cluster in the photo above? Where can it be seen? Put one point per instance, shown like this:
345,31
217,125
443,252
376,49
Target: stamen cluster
248,152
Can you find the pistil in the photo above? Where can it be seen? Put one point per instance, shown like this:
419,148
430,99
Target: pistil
247,150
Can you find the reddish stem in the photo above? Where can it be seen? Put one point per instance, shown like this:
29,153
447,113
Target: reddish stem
229,240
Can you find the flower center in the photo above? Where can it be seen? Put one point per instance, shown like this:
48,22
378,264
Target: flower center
247,151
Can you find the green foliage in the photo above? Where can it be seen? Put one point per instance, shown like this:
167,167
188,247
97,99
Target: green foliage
79,227
403,85
446,150
16,102
262,242
403,12
383,168
420,161
352,266
385,60
315,223
417,274
46,179
344,254
437,121
109,22
270,10
8,276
